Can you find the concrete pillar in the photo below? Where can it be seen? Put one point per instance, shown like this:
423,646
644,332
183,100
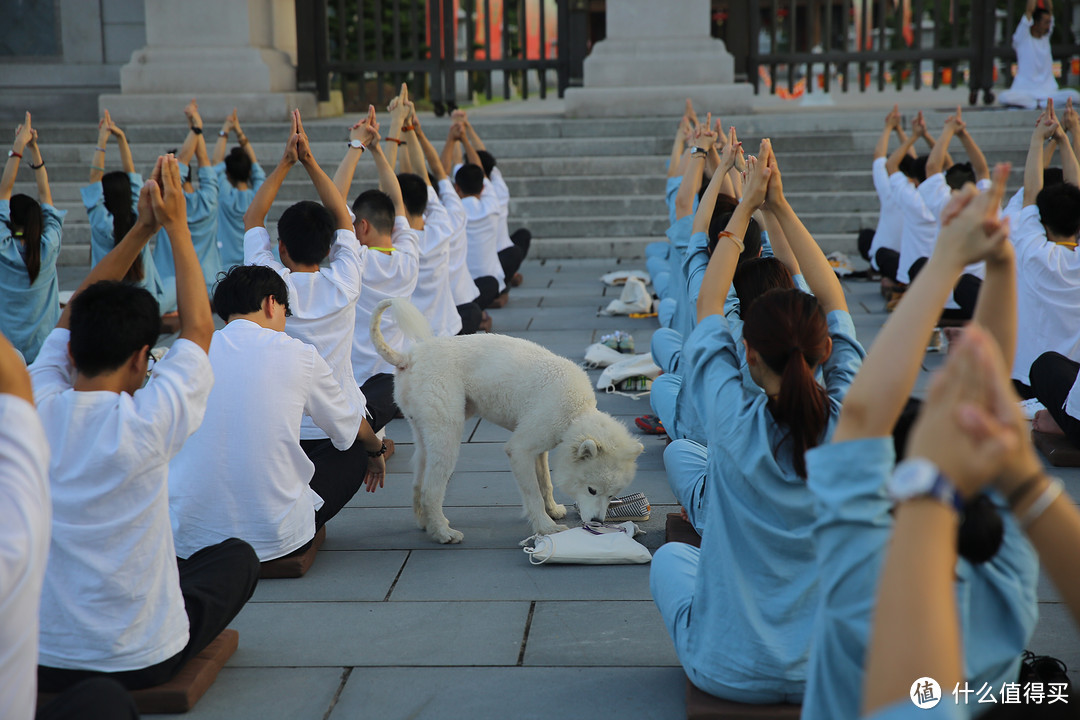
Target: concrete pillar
655,55
226,53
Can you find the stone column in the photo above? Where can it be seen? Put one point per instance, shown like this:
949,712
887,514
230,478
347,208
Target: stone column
225,53
655,55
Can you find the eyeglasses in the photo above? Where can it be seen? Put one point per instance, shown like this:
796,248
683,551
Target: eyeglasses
150,362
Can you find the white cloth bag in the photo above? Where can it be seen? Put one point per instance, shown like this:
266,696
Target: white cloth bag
592,544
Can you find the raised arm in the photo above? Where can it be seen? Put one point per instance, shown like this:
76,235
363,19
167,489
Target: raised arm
14,379
200,139
1029,11
413,149
398,110
346,169
127,163
474,137
815,267
41,176
725,257
434,162
187,150
970,231
328,193
1069,167
974,152
387,179
778,240
935,163
892,165
708,200
170,209
1045,128
23,134
97,162
704,139
678,145
242,137
471,155
453,136
892,122
222,143
264,197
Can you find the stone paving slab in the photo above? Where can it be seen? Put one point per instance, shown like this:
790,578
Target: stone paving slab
344,576
495,489
598,633
516,693
336,634
508,575
1057,635
395,529
296,693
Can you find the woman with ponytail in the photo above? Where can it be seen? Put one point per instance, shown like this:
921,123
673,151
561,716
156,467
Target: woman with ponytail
111,201
856,490
29,245
740,609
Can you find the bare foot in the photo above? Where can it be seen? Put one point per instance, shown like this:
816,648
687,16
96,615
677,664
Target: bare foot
1044,422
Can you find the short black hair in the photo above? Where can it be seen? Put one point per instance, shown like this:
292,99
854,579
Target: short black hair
307,230
487,161
959,175
1059,209
757,276
1038,14
377,208
470,178
914,167
242,289
725,204
413,193
238,165
751,240
1053,176
109,321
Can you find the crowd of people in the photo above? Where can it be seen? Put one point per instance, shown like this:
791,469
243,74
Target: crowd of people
127,471
785,433
829,575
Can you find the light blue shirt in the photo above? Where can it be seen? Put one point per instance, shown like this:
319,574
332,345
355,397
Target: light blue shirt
29,311
947,709
996,600
232,204
679,235
202,217
102,239
755,597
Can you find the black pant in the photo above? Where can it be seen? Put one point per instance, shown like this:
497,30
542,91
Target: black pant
489,290
966,293
522,237
1052,376
866,239
338,475
510,258
215,582
95,699
379,392
888,262
471,315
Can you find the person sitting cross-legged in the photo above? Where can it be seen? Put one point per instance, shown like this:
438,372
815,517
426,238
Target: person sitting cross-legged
116,600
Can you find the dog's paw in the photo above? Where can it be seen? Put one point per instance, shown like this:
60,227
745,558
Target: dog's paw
557,512
448,536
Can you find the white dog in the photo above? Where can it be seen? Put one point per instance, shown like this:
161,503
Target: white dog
546,400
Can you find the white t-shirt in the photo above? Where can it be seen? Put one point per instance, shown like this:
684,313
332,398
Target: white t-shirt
385,276
890,220
936,194
243,474
461,282
111,600
502,192
1034,61
433,295
323,306
920,227
24,549
482,230
1048,295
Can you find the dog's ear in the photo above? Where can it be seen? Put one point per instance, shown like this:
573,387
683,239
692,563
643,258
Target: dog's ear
587,449
640,449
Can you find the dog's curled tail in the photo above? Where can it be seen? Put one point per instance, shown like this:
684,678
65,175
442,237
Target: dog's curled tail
408,318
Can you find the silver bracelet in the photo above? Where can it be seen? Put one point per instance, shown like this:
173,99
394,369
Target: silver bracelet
1048,496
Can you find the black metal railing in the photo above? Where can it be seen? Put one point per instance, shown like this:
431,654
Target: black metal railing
366,48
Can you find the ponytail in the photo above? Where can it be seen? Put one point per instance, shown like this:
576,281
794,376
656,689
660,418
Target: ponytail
116,189
26,214
788,330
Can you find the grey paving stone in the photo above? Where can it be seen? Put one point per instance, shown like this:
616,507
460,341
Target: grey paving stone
395,529
333,634
267,693
472,457
1057,635
508,575
401,432
345,576
593,633
557,340
492,489
520,693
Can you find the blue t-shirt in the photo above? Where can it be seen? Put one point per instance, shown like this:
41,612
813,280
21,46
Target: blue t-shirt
755,597
202,217
232,204
29,311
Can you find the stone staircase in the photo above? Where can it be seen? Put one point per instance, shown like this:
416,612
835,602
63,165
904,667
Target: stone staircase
584,188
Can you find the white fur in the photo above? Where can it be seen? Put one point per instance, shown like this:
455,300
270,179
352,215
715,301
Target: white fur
546,400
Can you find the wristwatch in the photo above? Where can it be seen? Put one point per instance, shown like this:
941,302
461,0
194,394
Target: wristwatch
356,144
222,133
196,130
695,149
918,477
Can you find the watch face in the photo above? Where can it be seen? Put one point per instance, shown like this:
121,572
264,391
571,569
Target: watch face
356,144
911,478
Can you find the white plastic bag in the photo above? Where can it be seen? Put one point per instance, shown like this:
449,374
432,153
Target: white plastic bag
633,366
592,544
635,298
619,277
